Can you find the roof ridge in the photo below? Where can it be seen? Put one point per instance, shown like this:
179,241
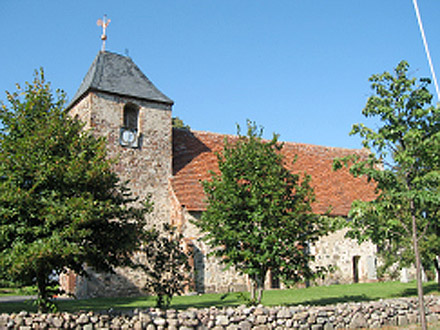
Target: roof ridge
194,156
97,75
290,142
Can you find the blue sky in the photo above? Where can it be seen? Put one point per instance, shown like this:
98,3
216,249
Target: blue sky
299,68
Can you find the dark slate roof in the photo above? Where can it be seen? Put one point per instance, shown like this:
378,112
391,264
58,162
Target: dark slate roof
117,74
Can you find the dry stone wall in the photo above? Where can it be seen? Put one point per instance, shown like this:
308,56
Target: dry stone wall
395,312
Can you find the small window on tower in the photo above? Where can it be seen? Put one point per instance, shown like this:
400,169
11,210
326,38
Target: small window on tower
129,135
131,113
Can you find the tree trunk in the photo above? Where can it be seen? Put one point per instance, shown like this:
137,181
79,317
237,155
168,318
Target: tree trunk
419,272
257,288
159,301
260,287
42,292
437,269
260,294
253,289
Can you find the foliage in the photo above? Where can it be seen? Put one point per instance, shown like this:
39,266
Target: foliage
166,265
405,167
178,123
258,215
61,206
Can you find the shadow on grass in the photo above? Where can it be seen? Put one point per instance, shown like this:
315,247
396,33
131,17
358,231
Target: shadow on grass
332,300
74,305
144,302
105,304
130,303
427,289
316,297
15,307
209,303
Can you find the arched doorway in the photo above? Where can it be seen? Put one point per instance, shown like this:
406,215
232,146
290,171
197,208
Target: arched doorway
356,269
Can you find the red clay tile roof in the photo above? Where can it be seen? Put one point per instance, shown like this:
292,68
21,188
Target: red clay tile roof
194,156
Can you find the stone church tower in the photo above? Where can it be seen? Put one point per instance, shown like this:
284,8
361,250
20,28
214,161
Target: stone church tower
120,103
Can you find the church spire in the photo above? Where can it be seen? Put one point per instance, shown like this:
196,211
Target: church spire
119,75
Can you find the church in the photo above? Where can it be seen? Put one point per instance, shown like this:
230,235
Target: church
117,101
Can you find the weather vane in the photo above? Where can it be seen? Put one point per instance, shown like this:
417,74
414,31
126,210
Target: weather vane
104,23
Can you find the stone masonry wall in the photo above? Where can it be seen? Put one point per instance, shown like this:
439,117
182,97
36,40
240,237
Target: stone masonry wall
210,275
340,252
395,312
147,168
333,249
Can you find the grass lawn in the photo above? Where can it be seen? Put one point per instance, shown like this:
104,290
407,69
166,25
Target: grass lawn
24,291
323,295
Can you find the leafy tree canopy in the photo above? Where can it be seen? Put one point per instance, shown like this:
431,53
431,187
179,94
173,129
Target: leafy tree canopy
404,162
259,215
61,206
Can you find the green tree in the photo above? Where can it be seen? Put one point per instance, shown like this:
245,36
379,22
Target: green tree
404,163
166,265
178,123
259,215
61,206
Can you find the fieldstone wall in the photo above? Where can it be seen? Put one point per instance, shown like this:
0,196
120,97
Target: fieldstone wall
395,312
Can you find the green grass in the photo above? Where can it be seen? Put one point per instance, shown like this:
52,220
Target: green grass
23,291
326,295
323,295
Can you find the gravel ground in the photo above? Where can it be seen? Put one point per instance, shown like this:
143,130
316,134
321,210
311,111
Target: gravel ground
6,299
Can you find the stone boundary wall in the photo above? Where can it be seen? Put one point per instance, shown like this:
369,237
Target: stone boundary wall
395,312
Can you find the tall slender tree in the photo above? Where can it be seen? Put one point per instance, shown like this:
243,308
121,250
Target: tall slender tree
404,162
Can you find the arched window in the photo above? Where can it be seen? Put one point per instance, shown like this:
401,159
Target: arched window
129,133
131,114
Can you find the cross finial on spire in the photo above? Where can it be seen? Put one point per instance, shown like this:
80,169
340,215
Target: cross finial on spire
104,23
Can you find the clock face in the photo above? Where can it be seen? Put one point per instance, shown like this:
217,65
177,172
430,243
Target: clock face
128,136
